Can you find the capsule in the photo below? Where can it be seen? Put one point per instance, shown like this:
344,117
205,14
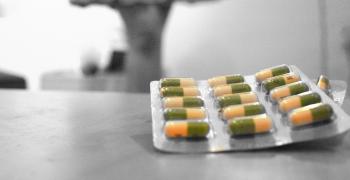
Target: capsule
179,91
250,125
228,79
288,90
186,129
184,113
234,99
277,81
232,89
310,114
174,102
177,82
242,110
300,100
271,72
323,83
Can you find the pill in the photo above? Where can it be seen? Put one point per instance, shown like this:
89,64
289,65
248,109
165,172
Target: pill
310,114
178,82
172,102
288,90
323,83
186,129
234,99
242,110
179,91
228,79
231,89
300,100
184,113
277,81
250,125
271,72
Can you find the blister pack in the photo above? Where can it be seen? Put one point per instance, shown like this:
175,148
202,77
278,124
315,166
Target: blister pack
276,106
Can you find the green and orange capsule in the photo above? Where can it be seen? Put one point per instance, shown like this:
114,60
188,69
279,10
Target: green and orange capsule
231,89
289,103
242,110
288,90
177,102
228,79
235,99
184,114
186,129
271,72
250,125
177,82
310,114
323,83
179,91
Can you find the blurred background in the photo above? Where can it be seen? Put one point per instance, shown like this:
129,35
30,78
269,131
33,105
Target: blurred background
47,41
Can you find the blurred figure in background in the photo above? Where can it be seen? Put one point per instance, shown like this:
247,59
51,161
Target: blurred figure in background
144,20
1,10
346,46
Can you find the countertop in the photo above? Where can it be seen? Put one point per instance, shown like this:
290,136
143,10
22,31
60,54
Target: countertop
95,135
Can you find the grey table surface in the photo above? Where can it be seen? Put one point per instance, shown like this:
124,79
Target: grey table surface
60,135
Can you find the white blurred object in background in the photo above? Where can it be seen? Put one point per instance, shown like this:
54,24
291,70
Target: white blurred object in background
44,35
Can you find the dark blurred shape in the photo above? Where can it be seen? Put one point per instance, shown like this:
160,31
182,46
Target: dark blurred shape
89,68
70,80
116,62
346,47
1,10
84,3
346,43
11,81
90,60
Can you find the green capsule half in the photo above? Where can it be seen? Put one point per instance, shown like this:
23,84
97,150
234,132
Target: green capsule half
237,78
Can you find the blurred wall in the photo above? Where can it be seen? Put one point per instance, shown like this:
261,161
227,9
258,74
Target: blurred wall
338,16
240,36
